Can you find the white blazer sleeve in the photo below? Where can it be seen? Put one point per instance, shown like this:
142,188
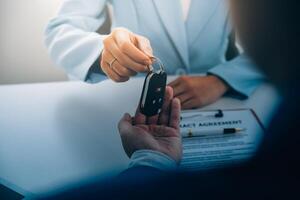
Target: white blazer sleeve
71,39
241,74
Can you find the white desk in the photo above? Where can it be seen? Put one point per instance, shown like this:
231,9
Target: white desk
55,133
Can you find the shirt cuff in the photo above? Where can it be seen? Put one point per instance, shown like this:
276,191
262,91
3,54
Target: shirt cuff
240,74
95,73
153,159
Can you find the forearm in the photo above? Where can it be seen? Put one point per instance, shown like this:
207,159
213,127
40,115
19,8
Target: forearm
71,39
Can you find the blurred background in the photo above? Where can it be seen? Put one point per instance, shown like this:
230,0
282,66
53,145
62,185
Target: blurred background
23,55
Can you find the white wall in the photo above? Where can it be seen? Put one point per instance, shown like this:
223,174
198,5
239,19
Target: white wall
23,57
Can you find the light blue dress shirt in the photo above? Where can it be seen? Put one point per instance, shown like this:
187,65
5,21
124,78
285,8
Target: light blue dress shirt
195,46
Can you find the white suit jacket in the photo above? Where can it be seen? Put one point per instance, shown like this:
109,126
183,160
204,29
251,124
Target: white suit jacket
192,47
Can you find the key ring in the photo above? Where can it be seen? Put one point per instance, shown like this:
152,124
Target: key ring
158,61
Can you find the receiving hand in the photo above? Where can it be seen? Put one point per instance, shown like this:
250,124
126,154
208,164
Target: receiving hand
157,133
125,54
195,92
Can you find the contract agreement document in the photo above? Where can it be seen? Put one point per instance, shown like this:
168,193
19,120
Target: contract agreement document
215,150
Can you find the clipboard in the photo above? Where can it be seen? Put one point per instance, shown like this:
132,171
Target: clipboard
219,150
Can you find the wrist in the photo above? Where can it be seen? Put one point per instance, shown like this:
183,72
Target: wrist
222,86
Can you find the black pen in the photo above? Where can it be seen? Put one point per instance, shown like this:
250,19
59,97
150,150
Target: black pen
210,132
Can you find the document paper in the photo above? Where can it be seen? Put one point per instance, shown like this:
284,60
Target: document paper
215,151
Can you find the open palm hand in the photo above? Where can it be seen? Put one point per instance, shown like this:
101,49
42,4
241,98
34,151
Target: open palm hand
158,133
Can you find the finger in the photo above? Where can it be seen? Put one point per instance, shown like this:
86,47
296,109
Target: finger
175,114
179,89
122,71
107,56
139,118
190,104
135,54
183,97
145,46
112,74
117,67
125,124
124,60
127,46
175,82
165,112
152,120
122,78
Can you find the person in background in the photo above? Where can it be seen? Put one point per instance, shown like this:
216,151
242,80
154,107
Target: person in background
191,37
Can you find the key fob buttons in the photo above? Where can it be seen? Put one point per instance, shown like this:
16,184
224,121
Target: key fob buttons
153,93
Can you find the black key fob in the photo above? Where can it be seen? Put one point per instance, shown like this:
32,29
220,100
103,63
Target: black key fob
153,93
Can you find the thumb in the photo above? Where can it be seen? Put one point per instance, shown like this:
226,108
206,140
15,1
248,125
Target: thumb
144,45
125,124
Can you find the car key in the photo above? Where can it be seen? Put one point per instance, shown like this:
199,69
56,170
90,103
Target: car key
153,93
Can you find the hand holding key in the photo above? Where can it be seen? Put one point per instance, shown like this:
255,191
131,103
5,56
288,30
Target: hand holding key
125,54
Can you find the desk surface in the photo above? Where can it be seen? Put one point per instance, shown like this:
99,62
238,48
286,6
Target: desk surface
55,133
